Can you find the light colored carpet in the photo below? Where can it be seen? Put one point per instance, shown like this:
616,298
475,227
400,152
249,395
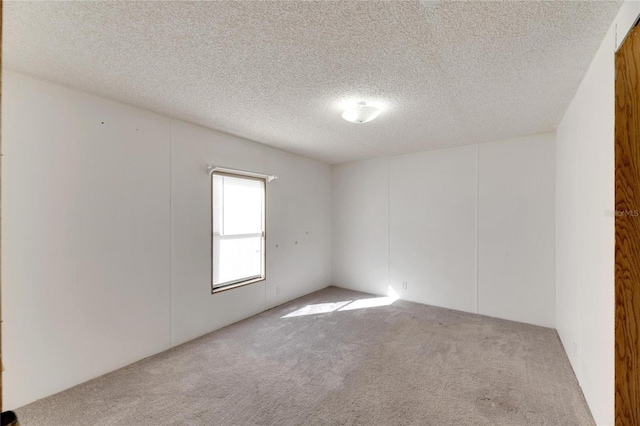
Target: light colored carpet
401,364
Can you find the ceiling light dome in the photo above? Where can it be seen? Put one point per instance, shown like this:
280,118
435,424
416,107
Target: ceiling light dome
361,113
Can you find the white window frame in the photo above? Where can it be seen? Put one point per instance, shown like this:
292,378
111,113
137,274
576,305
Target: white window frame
217,288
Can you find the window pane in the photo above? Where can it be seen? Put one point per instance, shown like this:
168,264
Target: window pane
236,258
238,225
242,206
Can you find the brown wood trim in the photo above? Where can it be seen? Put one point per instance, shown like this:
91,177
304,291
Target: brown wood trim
627,230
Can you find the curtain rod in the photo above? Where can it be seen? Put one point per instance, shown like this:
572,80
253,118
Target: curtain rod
211,168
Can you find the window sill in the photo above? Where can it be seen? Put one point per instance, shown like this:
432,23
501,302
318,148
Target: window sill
240,284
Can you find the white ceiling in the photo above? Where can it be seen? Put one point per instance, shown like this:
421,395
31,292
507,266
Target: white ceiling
281,73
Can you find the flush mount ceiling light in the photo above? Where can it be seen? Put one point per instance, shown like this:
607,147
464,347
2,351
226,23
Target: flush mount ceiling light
361,113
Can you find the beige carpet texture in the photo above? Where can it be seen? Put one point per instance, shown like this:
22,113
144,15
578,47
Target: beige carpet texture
339,357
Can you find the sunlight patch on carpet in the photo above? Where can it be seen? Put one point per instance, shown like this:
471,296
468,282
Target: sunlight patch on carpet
368,303
347,305
319,308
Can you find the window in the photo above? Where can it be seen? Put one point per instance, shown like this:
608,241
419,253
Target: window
238,225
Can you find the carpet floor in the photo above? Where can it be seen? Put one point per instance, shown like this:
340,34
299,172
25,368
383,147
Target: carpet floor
339,357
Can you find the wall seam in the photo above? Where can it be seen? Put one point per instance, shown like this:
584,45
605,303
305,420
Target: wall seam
477,228
388,226
170,233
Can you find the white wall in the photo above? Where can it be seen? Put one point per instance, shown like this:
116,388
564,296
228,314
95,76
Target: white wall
585,233
469,228
360,225
106,235
516,275
433,227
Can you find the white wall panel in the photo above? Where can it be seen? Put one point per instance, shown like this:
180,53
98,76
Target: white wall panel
516,274
85,237
360,226
433,227
428,205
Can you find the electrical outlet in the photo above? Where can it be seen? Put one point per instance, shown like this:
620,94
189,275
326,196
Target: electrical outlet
404,285
277,290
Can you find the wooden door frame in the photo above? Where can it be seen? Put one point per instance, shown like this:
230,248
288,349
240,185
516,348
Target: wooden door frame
627,230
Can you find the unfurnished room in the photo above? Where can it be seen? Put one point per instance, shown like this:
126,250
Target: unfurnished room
379,213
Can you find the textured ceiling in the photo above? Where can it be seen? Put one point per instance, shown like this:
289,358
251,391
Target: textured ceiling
281,73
